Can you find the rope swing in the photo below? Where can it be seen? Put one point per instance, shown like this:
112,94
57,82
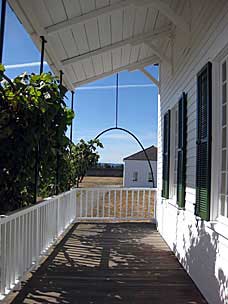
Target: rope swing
125,130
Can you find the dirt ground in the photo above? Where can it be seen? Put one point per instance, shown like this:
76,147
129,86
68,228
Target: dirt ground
97,181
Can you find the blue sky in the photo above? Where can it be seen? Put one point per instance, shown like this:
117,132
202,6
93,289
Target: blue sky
95,102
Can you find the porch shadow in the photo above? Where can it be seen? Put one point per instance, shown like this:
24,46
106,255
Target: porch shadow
110,263
200,262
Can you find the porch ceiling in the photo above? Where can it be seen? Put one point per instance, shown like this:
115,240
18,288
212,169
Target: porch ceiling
91,39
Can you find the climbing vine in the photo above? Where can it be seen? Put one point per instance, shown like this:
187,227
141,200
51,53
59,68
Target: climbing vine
32,114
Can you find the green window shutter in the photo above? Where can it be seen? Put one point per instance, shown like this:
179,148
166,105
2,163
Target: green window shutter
166,155
203,153
181,156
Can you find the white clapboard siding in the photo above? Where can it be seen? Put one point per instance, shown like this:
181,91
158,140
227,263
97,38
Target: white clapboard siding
201,242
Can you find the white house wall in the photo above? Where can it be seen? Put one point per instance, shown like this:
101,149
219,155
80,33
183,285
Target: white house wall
143,169
201,247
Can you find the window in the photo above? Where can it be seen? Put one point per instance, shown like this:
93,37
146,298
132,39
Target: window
150,180
223,189
135,176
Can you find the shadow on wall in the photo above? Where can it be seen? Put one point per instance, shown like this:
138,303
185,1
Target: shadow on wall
200,262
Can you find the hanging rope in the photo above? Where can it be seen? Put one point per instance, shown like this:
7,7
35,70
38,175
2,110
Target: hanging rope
117,98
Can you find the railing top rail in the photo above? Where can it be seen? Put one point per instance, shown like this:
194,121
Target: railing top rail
116,188
28,209
48,200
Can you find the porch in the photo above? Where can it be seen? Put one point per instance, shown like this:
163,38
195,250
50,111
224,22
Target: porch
108,258
110,263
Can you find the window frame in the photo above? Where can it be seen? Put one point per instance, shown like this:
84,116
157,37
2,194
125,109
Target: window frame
216,140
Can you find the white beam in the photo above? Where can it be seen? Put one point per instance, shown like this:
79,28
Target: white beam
131,41
145,62
154,80
164,8
167,11
158,52
88,16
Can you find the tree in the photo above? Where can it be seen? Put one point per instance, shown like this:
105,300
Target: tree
83,156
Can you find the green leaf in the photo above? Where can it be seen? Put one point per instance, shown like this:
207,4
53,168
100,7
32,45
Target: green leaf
2,68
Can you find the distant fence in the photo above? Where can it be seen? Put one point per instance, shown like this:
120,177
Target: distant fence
108,172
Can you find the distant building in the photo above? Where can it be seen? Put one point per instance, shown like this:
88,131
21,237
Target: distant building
137,171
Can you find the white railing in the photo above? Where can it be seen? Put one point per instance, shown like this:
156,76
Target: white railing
26,235
115,204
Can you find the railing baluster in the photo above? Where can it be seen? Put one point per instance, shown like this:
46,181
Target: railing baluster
149,198
3,258
28,243
98,202
81,194
91,205
132,203
155,205
37,234
115,204
126,204
143,204
121,198
24,243
138,203
109,203
21,246
8,266
86,203
103,204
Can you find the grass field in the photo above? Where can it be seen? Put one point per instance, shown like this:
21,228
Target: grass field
97,181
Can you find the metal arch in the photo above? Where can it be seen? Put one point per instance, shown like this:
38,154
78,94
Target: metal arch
130,133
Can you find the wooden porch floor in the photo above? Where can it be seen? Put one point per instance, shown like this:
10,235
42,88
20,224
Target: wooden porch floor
110,263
